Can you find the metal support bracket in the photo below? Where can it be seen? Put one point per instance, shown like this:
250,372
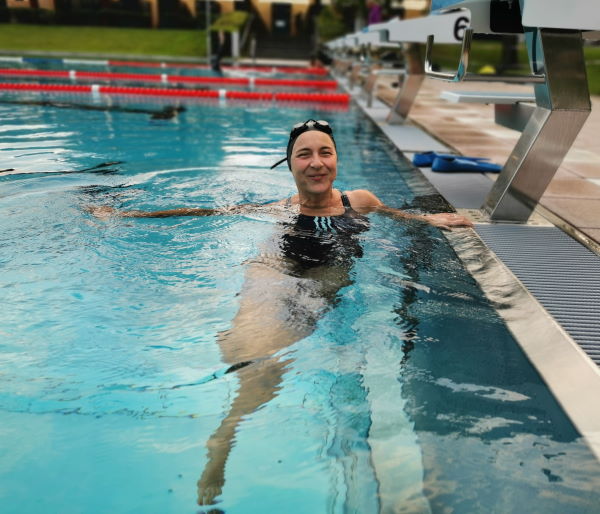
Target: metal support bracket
413,78
462,74
563,105
513,116
374,74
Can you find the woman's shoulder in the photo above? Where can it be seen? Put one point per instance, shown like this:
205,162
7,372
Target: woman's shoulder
285,202
363,200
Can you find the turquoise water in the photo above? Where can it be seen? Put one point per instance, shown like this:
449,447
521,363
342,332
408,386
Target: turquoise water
410,394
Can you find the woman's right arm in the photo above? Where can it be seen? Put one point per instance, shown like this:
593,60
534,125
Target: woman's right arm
105,211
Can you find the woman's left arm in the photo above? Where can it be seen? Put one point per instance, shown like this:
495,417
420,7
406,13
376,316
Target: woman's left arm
364,201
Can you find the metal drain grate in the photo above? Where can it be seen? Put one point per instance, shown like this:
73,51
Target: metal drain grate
563,275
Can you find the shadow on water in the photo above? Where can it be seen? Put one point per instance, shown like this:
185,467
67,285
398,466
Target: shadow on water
423,245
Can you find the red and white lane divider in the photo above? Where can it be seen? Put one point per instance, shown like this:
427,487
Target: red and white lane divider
176,92
265,69
167,79
304,70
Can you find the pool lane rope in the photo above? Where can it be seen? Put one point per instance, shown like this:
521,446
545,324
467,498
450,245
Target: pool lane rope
176,92
265,69
168,79
304,70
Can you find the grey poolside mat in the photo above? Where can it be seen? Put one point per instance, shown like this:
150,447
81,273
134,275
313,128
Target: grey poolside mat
562,274
410,138
407,137
462,190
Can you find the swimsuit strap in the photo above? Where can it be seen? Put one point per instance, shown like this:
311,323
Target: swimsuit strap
346,201
288,202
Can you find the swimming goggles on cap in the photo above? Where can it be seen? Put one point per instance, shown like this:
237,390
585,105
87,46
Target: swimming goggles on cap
301,128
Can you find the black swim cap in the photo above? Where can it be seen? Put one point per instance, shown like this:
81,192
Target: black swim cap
301,128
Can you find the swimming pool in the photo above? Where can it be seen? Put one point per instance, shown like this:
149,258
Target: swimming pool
409,395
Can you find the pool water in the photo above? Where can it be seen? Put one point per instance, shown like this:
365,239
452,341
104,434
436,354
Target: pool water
409,395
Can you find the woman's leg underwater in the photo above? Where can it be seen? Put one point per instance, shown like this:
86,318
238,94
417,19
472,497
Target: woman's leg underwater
276,310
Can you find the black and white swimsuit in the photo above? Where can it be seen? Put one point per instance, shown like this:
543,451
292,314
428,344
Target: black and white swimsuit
312,241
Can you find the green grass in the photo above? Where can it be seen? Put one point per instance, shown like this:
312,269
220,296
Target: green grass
489,53
447,56
592,58
102,40
231,21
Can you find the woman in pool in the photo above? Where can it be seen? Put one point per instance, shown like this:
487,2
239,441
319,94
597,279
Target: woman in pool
287,290
312,159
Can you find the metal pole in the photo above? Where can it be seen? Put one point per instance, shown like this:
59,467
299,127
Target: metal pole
208,45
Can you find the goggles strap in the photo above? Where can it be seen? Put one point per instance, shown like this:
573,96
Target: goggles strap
279,162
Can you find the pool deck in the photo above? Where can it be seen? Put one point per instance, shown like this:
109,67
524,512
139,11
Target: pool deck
574,193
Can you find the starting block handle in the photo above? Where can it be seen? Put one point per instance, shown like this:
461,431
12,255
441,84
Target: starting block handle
462,74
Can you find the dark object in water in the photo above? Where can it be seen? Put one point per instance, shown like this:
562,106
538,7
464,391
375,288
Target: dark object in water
237,366
99,168
98,189
169,112
104,168
166,113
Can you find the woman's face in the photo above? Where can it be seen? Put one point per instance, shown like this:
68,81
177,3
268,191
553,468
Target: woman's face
314,162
